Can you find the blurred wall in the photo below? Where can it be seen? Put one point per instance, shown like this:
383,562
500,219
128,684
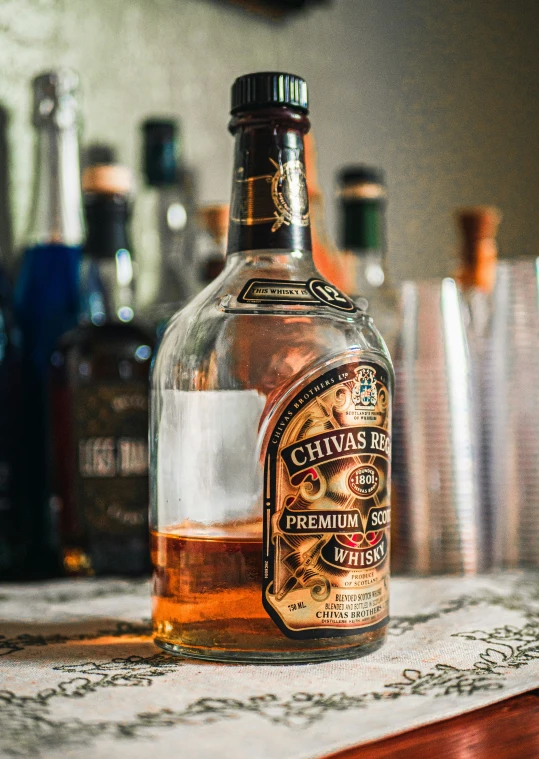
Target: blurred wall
442,94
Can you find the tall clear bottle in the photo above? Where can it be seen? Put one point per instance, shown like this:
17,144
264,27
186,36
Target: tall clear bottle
47,295
363,241
99,384
270,429
165,224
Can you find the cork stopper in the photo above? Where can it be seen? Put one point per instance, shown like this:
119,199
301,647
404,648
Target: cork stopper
214,218
107,179
479,252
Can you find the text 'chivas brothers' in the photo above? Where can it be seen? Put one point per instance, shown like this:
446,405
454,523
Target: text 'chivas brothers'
270,429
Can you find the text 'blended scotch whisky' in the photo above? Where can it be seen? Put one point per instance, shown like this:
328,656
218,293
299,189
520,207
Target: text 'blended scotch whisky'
270,429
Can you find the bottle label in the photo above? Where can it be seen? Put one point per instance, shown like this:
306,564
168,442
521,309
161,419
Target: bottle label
279,197
287,292
269,209
326,505
111,429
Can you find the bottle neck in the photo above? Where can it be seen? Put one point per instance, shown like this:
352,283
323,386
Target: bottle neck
270,207
363,241
363,226
365,272
57,208
108,276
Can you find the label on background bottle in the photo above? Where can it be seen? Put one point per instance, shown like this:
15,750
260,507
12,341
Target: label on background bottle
112,428
326,506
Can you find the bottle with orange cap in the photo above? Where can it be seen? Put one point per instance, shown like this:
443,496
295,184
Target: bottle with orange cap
211,247
478,259
99,386
326,256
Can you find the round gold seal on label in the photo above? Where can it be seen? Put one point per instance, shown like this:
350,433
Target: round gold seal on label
364,481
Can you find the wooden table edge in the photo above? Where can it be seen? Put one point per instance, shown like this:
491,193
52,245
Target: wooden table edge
507,729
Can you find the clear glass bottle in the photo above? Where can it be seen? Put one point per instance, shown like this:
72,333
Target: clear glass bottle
47,295
362,208
165,225
99,391
270,429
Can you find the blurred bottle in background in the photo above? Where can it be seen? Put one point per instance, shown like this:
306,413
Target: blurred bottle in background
99,378
99,154
362,217
476,275
47,295
325,255
211,243
12,534
165,223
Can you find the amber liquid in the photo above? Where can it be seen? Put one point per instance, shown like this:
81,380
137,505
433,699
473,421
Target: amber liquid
207,603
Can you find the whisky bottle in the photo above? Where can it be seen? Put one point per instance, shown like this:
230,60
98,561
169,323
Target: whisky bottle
270,429
47,296
362,210
165,224
99,387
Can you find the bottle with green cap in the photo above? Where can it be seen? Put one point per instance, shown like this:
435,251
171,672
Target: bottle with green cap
362,200
270,429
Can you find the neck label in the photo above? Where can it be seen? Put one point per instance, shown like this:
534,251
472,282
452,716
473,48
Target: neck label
275,198
270,204
286,292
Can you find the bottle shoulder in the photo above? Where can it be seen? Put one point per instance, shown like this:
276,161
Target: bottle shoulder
109,342
223,341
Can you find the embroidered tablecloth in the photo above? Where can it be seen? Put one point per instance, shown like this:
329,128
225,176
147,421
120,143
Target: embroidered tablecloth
80,676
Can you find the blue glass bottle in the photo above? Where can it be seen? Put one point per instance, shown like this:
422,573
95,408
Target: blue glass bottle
47,298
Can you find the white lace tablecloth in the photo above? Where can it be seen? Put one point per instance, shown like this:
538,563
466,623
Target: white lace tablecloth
80,676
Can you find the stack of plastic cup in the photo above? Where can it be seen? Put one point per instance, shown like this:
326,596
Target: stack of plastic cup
438,521
512,421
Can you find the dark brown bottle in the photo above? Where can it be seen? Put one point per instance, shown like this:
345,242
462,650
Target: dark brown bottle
99,385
